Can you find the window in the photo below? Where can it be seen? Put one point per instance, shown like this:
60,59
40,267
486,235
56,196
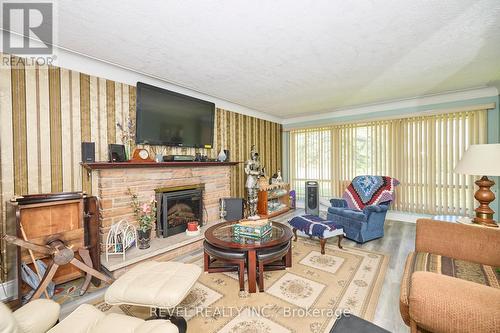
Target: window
421,152
312,157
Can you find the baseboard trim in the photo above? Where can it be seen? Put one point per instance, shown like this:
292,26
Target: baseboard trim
405,216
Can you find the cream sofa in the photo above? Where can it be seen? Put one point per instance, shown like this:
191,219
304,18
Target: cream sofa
35,317
40,316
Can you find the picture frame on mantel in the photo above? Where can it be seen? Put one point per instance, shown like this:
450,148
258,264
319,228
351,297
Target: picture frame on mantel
116,153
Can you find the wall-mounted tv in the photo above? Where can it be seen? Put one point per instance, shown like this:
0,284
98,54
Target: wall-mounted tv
168,118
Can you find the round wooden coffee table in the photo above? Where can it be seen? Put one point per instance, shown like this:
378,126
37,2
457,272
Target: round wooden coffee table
221,236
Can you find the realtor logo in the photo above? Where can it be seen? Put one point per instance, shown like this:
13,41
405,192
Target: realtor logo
34,21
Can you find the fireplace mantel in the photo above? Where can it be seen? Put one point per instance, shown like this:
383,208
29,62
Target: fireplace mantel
128,165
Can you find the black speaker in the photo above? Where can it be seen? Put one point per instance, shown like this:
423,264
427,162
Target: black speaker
231,209
312,198
88,152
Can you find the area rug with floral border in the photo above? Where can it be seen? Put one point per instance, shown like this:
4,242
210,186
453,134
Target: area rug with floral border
304,298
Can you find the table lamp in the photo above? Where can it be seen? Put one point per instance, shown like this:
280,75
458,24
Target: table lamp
481,160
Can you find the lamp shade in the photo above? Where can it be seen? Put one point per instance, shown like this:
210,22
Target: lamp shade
480,160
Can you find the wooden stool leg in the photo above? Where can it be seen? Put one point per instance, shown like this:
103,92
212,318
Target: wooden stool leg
252,270
206,261
84,253
288,258
241,275
341,237
294,230
78,264
47,278
261,276
322,242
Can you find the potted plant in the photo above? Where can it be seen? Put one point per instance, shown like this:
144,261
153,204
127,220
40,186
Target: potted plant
146,216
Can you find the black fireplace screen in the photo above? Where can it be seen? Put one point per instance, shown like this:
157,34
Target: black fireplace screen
176,209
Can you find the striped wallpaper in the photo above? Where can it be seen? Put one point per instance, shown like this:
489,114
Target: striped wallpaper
237,133
46,112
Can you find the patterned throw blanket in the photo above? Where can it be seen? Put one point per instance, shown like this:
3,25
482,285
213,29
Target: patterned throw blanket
369,190
312,225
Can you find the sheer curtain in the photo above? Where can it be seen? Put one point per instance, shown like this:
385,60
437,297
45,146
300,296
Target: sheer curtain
419,151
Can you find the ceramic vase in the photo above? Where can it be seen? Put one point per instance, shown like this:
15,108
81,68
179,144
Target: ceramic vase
222,155
143,239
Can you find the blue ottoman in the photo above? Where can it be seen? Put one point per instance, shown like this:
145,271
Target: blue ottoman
315,226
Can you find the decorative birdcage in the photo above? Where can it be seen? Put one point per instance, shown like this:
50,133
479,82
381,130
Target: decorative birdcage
121,237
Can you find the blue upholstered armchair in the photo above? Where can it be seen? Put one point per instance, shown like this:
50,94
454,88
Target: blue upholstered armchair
362,210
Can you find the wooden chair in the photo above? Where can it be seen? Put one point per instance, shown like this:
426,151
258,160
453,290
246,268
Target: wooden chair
218,260
271,259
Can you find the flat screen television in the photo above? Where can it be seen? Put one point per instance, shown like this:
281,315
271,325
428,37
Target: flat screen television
168,118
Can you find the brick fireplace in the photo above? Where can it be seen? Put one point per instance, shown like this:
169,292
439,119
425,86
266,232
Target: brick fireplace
111,181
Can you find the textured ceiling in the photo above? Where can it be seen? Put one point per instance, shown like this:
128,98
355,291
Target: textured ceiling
289,58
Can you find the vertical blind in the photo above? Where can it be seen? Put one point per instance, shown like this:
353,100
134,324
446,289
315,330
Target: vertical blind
421,152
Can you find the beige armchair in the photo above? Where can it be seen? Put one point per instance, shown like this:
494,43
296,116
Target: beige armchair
449,283
37,316
40,316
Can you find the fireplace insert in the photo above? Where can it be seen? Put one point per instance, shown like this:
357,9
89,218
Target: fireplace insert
177,207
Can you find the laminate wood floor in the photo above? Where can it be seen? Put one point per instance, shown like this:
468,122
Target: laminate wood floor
398,241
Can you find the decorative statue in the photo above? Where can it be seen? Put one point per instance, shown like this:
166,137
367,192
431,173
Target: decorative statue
254,171
276,179
272,180
279,179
